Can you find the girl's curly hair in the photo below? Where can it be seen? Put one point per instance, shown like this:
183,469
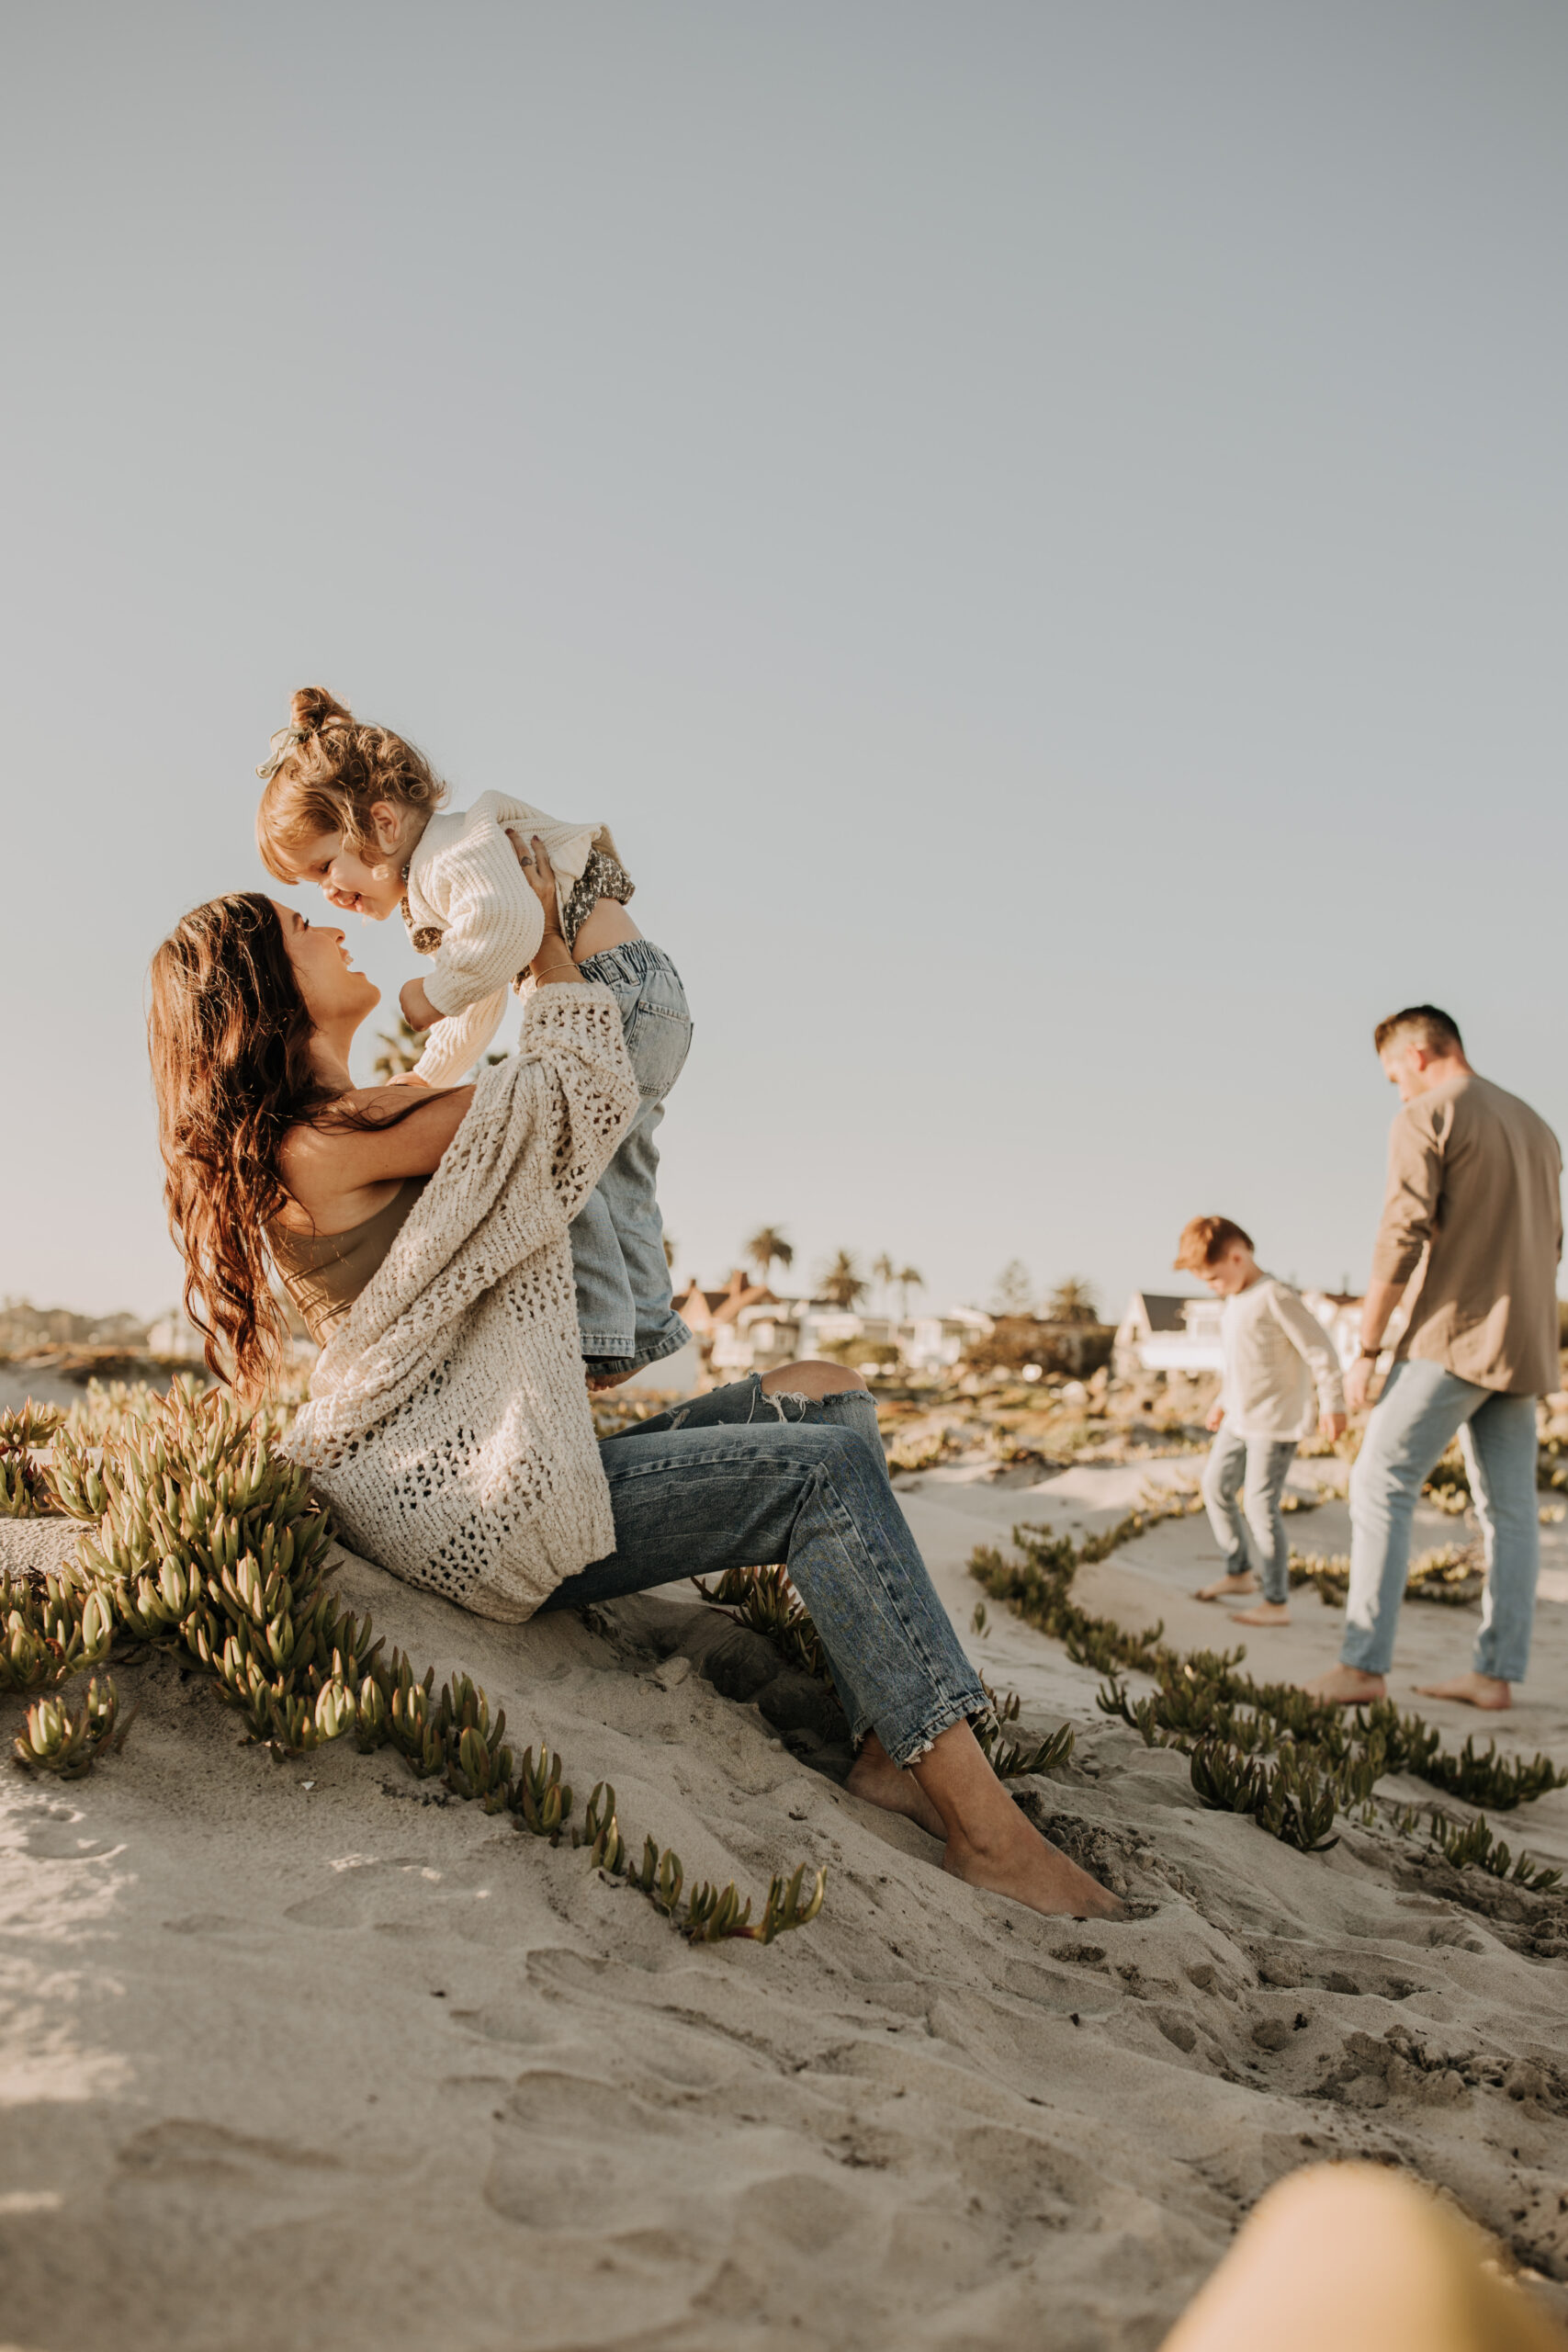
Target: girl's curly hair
327,772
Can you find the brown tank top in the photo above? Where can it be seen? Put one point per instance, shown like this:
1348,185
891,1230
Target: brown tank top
325,1272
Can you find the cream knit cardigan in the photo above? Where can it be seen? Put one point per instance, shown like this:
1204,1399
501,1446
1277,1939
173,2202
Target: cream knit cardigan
449,1426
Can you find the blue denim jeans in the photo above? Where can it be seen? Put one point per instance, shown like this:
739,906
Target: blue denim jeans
739,1479
1252,1536
624,1310
1420,1409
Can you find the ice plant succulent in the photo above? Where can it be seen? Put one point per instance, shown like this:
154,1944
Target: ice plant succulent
198,1537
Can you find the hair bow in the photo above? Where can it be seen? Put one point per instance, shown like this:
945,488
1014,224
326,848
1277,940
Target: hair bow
282,748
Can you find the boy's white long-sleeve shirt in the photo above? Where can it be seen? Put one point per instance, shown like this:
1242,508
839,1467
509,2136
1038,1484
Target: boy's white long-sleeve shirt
465,881
1275,1352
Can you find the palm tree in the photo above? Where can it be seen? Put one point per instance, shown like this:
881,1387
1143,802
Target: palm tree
1072,1302
842,1284
766,1247
403,1046
908,1278
887,1273
403,1049
1014,1293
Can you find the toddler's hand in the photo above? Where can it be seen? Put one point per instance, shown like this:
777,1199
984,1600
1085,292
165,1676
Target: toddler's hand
1213,1416
409,1078
418,1011
1331,1426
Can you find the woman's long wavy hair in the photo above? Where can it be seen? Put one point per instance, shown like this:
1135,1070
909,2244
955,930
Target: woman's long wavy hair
229,1035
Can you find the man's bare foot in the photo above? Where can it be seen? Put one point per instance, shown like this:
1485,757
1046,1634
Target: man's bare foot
1228,1588
1475,1690
875,1776
1346,1685
1268,1612
1022,1863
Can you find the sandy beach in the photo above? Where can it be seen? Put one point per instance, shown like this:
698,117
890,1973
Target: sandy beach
298,2056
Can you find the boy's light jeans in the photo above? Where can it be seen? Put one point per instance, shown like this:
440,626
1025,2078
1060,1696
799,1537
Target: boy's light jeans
1255,1468
1420,1409
624,1310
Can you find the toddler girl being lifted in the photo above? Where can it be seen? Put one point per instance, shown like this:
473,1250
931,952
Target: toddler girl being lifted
359,811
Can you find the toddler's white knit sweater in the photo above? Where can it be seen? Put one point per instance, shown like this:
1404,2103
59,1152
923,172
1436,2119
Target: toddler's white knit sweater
464,882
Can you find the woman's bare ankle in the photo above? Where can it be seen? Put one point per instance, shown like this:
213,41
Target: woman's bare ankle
1032,1872
877,1779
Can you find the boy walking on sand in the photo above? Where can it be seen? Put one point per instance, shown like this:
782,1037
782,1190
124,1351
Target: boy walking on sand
1275,1350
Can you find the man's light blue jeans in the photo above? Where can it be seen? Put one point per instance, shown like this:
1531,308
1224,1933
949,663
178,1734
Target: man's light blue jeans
626,1314
1422,1406
742,1479
1255,1468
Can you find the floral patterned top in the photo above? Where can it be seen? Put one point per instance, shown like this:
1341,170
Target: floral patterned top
603,877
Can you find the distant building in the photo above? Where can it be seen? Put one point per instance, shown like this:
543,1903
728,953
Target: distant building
757,1332
1339,1312
936,1343
175,1336
1161,1331
703,1312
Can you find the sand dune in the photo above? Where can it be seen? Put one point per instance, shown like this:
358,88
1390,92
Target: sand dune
315,2057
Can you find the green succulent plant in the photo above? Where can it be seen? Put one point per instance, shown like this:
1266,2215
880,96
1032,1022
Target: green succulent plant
1326,1760
200,1538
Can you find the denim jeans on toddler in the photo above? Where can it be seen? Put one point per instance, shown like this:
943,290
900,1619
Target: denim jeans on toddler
1255,1468
739,1479
626,1313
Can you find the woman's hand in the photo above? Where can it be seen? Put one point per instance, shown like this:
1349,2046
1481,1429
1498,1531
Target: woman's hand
534,860
554,960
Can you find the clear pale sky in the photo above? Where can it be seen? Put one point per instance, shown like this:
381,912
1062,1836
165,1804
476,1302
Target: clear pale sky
1042,526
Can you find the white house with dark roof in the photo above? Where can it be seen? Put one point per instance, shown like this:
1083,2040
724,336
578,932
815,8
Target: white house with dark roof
1164,1332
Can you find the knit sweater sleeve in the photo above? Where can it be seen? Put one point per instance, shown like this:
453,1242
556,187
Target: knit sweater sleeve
494,922
576,1034
456,1042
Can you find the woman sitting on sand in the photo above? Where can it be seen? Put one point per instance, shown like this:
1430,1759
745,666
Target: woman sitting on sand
426,1241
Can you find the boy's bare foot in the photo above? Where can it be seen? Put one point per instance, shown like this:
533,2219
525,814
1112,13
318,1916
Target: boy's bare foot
1268,1612
1346,1685
1475,1690
1228,1588
1022,1863
875,1776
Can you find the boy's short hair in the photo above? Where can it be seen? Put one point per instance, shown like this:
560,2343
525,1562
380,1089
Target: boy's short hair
1204,1239
1425,1026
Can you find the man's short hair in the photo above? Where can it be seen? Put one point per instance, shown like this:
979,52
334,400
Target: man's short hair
1204,1239
1422,1024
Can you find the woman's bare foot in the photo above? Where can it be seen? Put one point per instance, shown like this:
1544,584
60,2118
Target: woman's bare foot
875,1776
601,1383
1268,1612
1475,1690
1346,1685
1022,1863
1228,1588
991,1843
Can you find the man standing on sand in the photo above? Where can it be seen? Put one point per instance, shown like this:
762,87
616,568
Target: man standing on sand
1473,1187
